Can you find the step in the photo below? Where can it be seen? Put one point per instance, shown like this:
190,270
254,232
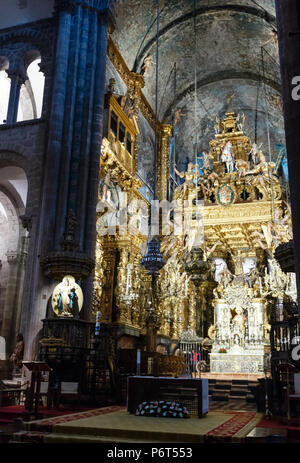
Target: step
221,387
65,438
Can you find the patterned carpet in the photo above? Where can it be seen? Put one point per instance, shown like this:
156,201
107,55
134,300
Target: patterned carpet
112,425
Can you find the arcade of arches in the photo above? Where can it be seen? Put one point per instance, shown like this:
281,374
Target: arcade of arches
100,116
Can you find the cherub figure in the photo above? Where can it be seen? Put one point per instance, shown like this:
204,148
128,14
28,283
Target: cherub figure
177,116
147,64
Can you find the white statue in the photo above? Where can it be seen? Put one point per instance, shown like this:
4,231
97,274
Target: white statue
228,157
254,153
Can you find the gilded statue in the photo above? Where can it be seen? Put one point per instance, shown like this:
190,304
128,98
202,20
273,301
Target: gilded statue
191,177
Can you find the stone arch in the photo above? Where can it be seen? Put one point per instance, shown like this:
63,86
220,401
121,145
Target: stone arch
13,249
10,156
4,88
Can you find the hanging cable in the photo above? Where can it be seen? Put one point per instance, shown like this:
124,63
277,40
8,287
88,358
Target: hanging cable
268,131
256,113
156,102
195,94
134,69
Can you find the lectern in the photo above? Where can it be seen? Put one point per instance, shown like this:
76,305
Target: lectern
32,401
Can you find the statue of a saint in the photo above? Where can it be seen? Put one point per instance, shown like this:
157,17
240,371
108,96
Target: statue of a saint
106,189
238,320
228,158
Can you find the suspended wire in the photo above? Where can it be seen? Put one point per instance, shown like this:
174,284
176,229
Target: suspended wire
256,112
144,38
156,101
165,89
195,93
174,141
268,128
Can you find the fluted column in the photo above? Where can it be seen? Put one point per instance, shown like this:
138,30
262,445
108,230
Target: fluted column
288,22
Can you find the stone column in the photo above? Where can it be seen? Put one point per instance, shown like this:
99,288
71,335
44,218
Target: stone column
288,23
66,228
163,174
12,308
18,78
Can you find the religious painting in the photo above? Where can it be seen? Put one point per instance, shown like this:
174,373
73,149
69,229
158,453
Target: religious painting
225,195
67,298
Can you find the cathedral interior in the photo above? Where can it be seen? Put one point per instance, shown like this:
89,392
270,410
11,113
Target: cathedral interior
149,210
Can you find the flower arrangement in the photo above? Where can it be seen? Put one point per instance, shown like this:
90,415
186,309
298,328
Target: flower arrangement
162,409
222,351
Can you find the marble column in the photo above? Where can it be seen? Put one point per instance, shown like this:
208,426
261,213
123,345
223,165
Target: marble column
288,23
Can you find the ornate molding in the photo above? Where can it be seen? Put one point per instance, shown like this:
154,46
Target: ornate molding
58,264
14,257
132,80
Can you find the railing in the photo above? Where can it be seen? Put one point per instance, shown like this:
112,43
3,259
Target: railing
284,336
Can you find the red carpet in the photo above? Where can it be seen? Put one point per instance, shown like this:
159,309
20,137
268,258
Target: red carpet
232,426
275,423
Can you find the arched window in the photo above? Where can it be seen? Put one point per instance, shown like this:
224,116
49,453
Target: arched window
4,89
31,94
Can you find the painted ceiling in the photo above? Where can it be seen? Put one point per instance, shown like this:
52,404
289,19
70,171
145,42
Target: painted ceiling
225,47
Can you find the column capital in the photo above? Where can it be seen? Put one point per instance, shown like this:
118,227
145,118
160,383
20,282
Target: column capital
14,257
64,5
165,130
17,74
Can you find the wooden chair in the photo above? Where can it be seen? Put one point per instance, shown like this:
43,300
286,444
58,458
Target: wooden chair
69,389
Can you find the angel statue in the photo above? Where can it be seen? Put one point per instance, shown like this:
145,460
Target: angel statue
191,176
209,251
147,64
177,116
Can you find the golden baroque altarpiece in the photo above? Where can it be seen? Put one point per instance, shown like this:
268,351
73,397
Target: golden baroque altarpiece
245,216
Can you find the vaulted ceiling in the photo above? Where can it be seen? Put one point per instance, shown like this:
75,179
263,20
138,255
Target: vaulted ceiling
220,45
